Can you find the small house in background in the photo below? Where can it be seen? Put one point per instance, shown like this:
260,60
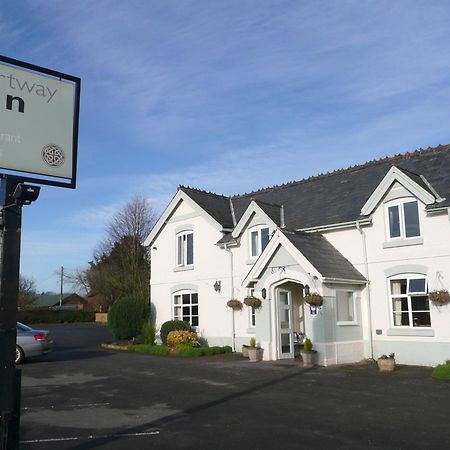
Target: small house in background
69,301
98,303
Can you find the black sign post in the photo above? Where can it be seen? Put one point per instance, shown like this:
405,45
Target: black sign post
10,229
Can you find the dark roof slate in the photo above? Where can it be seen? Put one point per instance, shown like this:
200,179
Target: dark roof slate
332,198
324,256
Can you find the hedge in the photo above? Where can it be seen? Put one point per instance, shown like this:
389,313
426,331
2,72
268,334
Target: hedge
172,325
126,317
55,316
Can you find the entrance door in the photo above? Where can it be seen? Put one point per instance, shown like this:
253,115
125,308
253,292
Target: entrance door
286,342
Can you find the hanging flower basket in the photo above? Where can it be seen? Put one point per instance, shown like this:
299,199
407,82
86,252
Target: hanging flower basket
253,302
314,299
440,296
234,304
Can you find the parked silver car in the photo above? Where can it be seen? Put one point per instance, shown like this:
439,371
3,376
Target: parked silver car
31,342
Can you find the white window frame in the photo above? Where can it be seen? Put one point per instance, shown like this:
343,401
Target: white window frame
183,235
353,303
408,295
399,202
176,316
259,249
252,316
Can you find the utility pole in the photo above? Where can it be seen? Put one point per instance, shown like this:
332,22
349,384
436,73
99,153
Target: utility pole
62,287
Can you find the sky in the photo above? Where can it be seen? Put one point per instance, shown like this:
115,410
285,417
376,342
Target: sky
227,96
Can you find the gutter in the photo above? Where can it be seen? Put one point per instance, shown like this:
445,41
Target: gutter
366,269
343,281
336,226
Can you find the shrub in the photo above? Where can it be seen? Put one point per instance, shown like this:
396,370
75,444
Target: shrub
442,371
148,333
202,351
308,345
151,349
126,317
181,338
55,316
172,325
252,342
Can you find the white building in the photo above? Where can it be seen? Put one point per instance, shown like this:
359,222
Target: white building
372,240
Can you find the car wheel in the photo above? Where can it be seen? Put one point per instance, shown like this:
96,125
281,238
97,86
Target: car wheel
20,355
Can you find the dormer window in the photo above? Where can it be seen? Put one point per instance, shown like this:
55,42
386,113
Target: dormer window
185,248
402,219
259,238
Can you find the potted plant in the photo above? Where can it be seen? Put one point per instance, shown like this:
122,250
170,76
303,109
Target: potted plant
245,350
386,363
255,353
440,296
234,304
308,354
253,302
314,298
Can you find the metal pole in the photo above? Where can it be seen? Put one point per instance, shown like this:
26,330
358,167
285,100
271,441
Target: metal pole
10,229
62,287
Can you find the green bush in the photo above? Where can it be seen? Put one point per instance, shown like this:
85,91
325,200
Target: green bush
148,333
151,349
202,351
55,316
172,325
442,371
308,345
126,317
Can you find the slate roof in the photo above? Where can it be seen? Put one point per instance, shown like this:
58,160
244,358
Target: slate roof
335,197
323,256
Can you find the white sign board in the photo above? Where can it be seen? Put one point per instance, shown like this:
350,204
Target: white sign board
38,121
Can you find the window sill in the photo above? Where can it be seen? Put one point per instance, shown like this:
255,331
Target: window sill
403,242
251,261
251,330
183,268
347,324
426,332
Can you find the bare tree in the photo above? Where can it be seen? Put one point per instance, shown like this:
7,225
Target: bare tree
27,291
121,265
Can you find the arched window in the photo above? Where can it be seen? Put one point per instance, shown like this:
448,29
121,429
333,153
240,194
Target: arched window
185,307
409,301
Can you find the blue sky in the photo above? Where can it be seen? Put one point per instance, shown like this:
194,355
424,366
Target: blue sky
226,96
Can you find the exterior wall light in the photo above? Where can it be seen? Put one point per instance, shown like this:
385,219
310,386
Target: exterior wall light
263,293
218,285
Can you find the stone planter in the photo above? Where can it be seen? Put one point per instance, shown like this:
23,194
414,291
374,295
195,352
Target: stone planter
255,354
386,364
245,351
309,358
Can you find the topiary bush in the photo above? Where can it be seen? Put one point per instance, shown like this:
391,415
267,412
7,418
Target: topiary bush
172,325
148,333
126,317
181,337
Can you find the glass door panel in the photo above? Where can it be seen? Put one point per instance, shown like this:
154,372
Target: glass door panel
286,344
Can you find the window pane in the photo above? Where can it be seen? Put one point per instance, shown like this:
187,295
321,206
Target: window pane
194,298
180,251
344,306
264,238
190,249
394,222
411,212
186,299
284,319
194,322
420,303
417,285
254,243
176,299
421,319
398,287
400,304
177,313
186,310
195,310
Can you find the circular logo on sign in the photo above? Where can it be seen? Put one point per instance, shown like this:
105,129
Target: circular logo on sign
53,155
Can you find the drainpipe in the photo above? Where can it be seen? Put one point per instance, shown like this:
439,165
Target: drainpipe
233,322
366,269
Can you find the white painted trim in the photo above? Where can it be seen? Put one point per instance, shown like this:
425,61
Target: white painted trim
253,208
338,226
170,209
396,174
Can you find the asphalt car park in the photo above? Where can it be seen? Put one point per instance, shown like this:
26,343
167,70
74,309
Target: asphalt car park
81,396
